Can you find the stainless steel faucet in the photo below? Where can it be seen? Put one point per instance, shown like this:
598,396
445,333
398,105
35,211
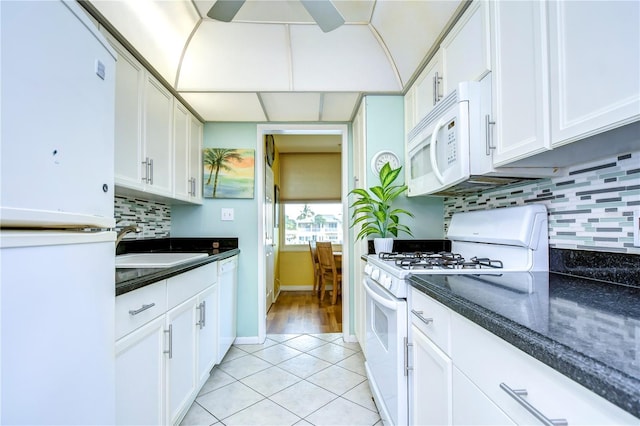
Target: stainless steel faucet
124,231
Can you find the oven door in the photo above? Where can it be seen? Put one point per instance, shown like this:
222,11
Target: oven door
386,333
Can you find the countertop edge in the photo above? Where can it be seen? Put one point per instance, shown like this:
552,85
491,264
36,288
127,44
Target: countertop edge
613,385
164,273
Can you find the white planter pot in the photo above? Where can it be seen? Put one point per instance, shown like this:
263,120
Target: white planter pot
383,245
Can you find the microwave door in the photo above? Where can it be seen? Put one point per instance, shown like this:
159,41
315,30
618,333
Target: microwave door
449,152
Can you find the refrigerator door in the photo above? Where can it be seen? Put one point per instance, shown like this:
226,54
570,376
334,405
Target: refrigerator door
57,136
57,328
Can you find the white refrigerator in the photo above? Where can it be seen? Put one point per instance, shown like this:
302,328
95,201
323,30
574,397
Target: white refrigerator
57,273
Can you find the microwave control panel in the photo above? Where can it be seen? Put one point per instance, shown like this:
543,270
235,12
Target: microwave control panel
452,146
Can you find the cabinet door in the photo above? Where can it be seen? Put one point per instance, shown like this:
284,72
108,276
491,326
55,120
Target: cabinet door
181,361
520,83
195,159
181,127
128,119
158,108
140,366
409,110
430,385
465,51
207,323
472,407
429,88
594,66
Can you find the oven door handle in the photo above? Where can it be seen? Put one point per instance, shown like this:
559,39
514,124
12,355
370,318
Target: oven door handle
387,303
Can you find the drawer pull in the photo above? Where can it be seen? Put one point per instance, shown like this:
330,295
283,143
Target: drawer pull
423,319
142,309
518,395
170,333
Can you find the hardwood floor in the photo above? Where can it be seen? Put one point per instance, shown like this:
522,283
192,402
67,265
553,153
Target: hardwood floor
302,312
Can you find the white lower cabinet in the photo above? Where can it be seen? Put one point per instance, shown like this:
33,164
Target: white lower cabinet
167,346
472,407
207,323
462,374
512,379
181,362
430,384
140,372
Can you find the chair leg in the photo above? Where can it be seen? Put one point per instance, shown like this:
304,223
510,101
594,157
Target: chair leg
322,288
334,291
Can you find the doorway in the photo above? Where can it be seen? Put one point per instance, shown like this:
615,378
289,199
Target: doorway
339,312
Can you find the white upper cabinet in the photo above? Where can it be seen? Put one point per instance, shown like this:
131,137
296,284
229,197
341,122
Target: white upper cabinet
195,159
181,127
157,136
128,124
594,67
429,88
466,54
519,89
187,146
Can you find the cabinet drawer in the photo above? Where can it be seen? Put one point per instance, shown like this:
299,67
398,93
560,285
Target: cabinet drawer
183,286
432,318
136,308
489,361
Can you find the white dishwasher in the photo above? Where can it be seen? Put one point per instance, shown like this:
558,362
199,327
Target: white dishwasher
227,304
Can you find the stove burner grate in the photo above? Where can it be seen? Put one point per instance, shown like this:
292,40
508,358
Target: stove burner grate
440,260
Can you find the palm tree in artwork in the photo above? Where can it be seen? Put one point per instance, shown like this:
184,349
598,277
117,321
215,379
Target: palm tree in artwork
217,159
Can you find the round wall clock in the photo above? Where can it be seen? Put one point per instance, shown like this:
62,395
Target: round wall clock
271,149
381,158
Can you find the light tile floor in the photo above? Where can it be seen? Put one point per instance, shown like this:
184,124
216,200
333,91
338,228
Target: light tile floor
301,379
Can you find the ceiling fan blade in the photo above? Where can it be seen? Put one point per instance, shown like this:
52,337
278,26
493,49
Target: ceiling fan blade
324,13
225,10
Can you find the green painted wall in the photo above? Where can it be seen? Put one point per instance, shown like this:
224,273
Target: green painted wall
385,131
204,221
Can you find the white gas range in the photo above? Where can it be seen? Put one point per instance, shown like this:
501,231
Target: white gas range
488,243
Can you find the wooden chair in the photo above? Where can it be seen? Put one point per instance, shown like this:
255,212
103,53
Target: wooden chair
316,266
329,271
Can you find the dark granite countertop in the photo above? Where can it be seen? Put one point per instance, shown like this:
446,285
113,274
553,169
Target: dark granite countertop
129,279
583,328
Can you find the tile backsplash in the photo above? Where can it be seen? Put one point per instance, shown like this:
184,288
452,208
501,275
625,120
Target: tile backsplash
590,207
152,216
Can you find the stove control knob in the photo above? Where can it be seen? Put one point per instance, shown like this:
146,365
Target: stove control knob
375,274
385,280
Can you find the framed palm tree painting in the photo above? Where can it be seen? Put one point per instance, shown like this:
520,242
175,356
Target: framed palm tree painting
228,173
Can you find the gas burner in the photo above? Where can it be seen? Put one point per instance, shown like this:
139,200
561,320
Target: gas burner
442,260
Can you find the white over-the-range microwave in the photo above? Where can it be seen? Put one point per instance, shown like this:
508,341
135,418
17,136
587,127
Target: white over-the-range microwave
449,152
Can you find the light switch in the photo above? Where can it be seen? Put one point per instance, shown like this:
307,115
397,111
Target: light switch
226,214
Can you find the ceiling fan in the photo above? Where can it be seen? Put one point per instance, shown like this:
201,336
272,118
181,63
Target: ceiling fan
322,11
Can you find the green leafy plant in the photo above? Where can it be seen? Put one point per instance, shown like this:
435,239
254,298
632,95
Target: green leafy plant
373,207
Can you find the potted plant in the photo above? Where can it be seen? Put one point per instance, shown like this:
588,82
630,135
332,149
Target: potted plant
374,212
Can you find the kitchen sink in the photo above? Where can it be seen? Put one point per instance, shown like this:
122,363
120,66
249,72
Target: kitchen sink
155,260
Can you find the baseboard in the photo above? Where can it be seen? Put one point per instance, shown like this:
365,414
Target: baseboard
249,340
300,288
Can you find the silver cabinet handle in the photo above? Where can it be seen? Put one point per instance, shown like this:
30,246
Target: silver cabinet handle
423,319
518,395
204,313
170,351
142,309
487,127
151,168
146,170
199,309
436,88
406,356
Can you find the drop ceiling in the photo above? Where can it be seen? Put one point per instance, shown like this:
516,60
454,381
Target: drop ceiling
272,62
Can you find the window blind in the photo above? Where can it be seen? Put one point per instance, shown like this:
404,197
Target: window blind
310,177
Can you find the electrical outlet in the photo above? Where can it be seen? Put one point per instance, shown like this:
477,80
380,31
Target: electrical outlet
636,228
226,214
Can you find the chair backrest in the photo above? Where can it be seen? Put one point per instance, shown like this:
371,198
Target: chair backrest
325,257
314,254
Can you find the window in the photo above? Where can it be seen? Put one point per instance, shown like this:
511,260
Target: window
304,222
